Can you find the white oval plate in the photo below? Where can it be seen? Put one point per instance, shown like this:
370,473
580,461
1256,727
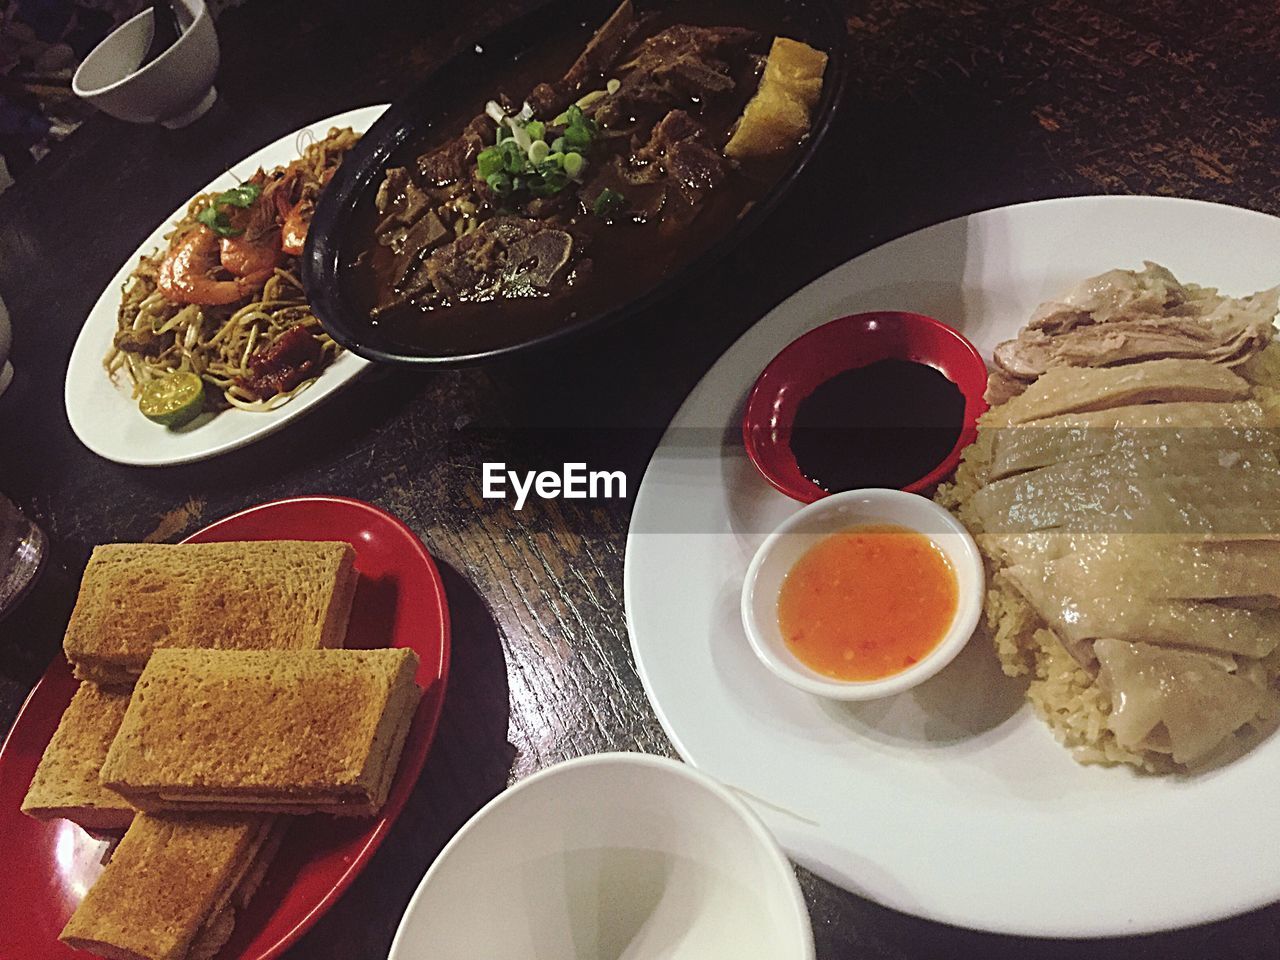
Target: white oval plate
104,415
953,801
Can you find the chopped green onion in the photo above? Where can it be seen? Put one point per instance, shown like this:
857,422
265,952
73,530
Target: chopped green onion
608,203
521,136
513,158
613,86
522,160
549,184
489,162
499,183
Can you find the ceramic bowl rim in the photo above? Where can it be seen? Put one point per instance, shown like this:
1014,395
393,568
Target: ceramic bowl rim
971,581
777,861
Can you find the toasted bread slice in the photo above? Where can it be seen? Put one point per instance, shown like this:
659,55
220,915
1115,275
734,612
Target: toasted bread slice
170,885
66,781
314,731
138,597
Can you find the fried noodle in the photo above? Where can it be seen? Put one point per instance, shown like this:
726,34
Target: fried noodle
156,337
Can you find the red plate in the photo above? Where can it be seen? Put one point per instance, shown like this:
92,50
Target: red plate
399,602
845,344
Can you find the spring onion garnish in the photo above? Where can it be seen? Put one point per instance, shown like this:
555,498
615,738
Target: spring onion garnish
608,203
217,220
522,160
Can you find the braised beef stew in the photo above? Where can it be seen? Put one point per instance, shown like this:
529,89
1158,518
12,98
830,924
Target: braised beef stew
531,205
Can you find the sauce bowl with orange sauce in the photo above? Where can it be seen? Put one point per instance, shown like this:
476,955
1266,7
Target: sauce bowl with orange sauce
863,594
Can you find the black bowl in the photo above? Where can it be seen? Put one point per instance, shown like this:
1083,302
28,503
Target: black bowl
332,240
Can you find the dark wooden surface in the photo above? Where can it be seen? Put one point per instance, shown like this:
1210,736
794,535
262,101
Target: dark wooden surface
953,106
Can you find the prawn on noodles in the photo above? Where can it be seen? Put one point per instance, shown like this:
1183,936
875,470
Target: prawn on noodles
223,299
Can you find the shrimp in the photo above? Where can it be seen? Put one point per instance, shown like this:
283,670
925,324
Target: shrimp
255,247
188,269
246,256
296,214
296,222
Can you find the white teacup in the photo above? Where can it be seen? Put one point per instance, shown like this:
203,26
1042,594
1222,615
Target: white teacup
173,89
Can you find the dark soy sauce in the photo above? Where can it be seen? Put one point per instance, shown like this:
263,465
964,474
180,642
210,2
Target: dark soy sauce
883,425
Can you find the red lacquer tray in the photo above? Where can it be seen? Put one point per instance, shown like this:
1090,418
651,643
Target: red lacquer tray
399,602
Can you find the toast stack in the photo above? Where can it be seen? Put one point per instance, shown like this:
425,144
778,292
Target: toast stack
213,696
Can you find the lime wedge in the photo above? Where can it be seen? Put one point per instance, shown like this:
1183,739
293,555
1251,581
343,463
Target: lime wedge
173,400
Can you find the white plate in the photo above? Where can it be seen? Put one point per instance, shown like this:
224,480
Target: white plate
952,801
104,415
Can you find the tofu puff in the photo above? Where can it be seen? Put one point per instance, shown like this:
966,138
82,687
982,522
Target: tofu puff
1130,518
777,117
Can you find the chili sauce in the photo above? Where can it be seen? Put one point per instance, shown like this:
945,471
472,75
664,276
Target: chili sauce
868,602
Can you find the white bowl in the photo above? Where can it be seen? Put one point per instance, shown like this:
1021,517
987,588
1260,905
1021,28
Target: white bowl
790,541
173,89
621,856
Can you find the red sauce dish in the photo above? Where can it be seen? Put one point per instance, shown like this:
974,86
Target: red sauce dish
852,343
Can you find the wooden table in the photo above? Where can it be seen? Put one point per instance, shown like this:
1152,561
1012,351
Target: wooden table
953,106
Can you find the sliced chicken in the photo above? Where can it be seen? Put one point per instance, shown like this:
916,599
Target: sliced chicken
1080,608
1126,316
1128,490
1245,413
1038,546
1017,450
1137,490
1180,569
1081,390
1177,702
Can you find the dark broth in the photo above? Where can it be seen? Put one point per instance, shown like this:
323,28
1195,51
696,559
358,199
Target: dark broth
883,425
628,259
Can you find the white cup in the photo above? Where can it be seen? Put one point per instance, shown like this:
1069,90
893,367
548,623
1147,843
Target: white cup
173,90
